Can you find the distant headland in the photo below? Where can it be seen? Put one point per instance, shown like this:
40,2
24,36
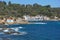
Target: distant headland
24,13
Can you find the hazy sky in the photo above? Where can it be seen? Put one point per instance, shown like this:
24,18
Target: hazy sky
53,3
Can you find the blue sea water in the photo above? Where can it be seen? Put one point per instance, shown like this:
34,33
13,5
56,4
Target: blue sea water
46,31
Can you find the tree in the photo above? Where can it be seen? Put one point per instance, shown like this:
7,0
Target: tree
4,2
9,3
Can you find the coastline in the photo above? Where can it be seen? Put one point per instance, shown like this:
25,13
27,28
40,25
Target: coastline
19,20
29,22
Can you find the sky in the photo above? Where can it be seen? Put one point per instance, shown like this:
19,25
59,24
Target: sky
53,3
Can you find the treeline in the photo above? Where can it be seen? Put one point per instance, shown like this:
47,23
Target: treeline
18,10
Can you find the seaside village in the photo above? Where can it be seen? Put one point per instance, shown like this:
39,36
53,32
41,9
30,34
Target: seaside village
24,20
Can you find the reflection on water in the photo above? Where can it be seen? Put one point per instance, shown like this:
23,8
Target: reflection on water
4,38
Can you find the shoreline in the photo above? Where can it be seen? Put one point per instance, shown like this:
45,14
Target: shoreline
27,22
13,20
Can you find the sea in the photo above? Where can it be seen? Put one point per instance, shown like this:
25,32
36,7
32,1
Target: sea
46,30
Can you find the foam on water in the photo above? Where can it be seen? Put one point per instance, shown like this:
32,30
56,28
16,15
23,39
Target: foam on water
21,33
20,27
17,28
38,23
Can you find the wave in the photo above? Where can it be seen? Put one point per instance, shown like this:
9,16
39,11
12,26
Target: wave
21,33
38,23
17,28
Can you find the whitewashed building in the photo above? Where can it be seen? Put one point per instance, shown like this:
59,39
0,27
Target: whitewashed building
33,18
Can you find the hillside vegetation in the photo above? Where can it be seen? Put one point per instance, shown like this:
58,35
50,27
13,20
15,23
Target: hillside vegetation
18,10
